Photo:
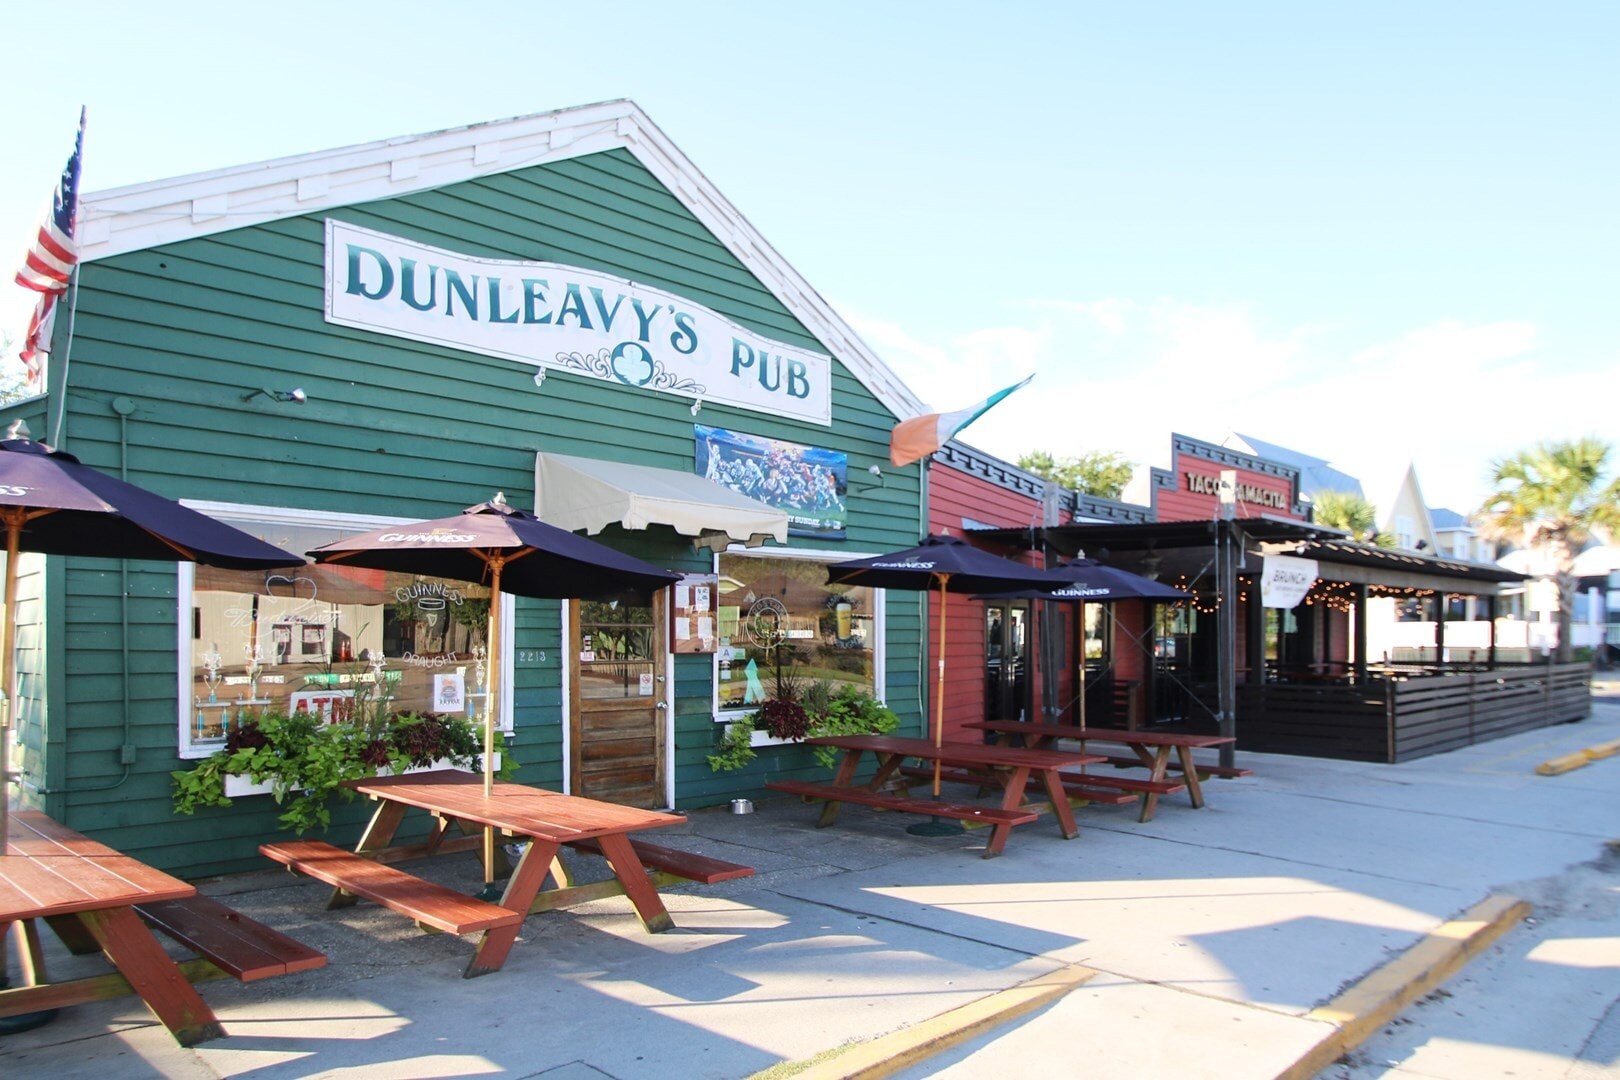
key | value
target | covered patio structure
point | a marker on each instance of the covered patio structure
(1301, 680)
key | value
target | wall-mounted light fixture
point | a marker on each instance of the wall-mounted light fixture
(295, 395)
(877, 473)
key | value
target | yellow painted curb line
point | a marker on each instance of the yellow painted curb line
(1580, 757)
(888, 1054)
(1377, 999)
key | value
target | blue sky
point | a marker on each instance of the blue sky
(1381, 233)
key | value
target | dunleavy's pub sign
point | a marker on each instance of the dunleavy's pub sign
(565, 318)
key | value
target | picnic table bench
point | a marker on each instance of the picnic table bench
(1072, 783)
(541, 821)
(1152, 750)
(98, 899)
(227, 941)
(1011, 768)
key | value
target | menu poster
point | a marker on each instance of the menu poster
(692, 614)
(449, 693)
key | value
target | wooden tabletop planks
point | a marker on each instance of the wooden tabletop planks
(51, 870)
(965, 753)
(515, 808)
(1131, 738)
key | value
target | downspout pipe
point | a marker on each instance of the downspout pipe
(123, 406)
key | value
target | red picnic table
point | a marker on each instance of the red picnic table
(1151, 748)
(1010, 767)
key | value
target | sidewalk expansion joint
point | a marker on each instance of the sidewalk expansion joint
(888, 1054)
(1375, 1000)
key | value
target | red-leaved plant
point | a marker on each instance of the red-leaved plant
(783, 719)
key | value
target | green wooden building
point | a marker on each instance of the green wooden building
(558, 307)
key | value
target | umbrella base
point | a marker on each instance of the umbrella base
(936, 827)
(492, 891)
(12, 1025)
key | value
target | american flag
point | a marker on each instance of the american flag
(48, 266)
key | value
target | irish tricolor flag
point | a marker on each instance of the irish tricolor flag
(914, 439)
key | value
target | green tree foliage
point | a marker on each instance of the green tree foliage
(13, 380)
(1552, 499)
(1103, 473)
(1350, 512)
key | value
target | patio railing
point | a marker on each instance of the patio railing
(1398, 715)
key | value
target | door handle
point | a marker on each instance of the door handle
(662, 705)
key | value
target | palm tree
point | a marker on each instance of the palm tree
(1552, 499)
(1350, 512)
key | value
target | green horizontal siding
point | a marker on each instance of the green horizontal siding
(392, 427)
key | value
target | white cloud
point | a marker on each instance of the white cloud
(1122, 374)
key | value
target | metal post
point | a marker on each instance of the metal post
(1226, 634)
(1361, 635)
(1050, 654)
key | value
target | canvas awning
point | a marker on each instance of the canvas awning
(576, 493)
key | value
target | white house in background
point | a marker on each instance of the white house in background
(1456, 536)
(1595, 620)
(1406, 629)
(1403, 516)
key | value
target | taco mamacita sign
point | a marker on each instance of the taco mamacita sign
(566, 318)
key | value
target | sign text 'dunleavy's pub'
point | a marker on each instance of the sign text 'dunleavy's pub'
(567, 318)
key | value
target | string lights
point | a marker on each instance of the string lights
(1335, 595)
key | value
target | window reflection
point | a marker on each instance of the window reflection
(780, 616)
(329, 639)
(617, 643)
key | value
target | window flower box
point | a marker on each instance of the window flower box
(239, 786)
(302, 760)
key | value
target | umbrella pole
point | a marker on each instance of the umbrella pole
(8, 685)
(491, 703)
(939, 680)
(8, 681)
(1082, 665)
(936, 826)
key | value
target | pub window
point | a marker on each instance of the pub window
(1098, 639)
(779, 622)
(325, 639)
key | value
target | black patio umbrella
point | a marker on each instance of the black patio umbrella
(509, 550)
(52, 504)
(950, 565)
(1084, 581)
(512, 551)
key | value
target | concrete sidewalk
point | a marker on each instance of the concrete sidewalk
(1214, 934)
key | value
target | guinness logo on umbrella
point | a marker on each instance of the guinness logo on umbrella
(437, 536)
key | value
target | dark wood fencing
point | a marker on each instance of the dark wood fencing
(1401, 718)
(1315, 719)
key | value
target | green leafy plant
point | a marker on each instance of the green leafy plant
(736, 747)
(823, 708)
(306, 759)
(848, 710)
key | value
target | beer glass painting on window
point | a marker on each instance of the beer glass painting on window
(782, 628)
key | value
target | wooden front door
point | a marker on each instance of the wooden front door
(618, 701)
